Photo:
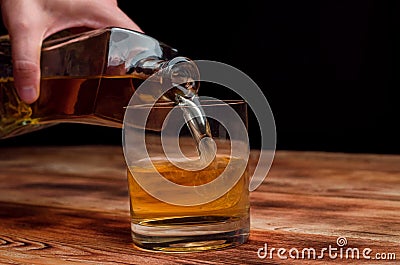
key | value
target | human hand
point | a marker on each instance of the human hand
(29, 22)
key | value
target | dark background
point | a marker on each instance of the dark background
(329, 69)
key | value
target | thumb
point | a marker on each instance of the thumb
(26, 48)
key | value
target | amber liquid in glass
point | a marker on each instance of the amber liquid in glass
(147, 211)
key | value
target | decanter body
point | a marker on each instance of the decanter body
(85, 78)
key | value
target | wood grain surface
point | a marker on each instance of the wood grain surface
(69, 205)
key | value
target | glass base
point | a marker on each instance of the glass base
(191, 234)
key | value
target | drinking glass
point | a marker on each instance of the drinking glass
(187, 194)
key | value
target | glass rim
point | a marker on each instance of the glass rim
(204, 103)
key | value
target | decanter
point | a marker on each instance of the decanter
(89, 78)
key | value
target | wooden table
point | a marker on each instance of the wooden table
(69, 205)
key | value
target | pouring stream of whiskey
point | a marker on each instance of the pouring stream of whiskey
(198, 125)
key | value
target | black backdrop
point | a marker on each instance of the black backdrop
(329, 69)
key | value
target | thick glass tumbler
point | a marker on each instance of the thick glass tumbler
(188, 192)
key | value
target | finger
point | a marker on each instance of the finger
(26, 45)
(21, 20)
